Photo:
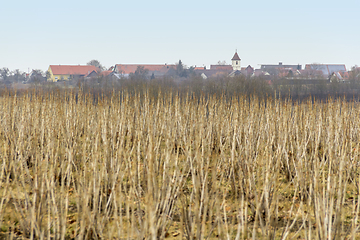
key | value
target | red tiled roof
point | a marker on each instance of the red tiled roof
(199, 68)
(105, 73)
(236, 57)
(221, 67)
(131, 68)
(72, 69)
(345, 75)
(212, 72)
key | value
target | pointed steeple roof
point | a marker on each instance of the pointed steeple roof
(236, 57)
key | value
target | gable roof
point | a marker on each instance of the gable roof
(211, 72)
(280, 66)
(236, 57)
(105, 73)
(131, 68)
(249, 68)
(235, 73)
(221, 67)
(73, 69)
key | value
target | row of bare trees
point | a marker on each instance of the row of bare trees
(8, 77)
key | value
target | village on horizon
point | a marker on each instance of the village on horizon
(67, 72)
(63, 73)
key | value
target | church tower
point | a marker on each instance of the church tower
(236, 62)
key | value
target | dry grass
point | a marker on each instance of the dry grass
(140, 167)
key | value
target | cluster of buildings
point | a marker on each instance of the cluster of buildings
(270, 71)
(68, 72)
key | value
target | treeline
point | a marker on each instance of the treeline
(196, 85)
(320, 89)
(8, 77)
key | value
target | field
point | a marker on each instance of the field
(177, 166)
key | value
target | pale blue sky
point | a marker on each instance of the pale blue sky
(35, 34)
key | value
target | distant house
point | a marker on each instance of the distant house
(311, 73)
(261, 74)
(199, 68)
(106, 73)
(327, 69)
(214, 71)
(339, 76)
(92, 74)
(206, 73)
(235, 73)
(153, 69)
(280, 70)
(222, 70)
(269, 67)
(248, 71)
(109, 74)
(69, 72)
(221, 67)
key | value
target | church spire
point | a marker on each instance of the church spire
(236, 62)
(236, 57)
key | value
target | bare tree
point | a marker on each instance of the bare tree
(140, 73)
(37, 76)
(4, 74)
(17, 76)
(317, 70)
(355, 73)
(97, 64)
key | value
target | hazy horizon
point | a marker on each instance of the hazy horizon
(41, 33)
